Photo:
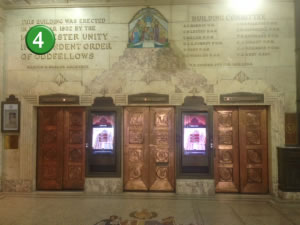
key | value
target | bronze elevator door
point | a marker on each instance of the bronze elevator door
(61, 148)
(149, 149)
(241, 142)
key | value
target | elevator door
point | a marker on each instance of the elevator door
(61, 148)
(149, 149)
(240, 139)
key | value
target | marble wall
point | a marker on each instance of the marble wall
(103, 185)
(209, 43)
(195, 187)
(213, 50)
(2, 84)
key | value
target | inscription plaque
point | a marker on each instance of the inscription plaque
(148, 98)
(241, 97)
(59, 99)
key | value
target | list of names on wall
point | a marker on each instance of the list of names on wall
(230, 40)
(76, 40)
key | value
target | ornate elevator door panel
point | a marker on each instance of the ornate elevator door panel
(226, 147)
(136, 155)
(253, 149)
(50, 149)
(149, 149)
(161, 148)
(74, 148)
(61, 148)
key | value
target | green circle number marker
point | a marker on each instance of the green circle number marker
(40, 39)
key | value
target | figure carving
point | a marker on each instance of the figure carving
(225, 174)
(254, 175)
(162, 172)
(225, 119)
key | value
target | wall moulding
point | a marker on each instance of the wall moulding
(83, 3)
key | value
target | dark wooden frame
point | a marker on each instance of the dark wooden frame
(118, 140)
(10, 100)
(180, 110)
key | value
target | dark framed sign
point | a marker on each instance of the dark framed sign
(10, 115)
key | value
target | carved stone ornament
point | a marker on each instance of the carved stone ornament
(241, 77)
(60, 79)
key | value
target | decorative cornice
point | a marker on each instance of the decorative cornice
(103, 3)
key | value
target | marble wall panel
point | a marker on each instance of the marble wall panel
(115, 15)
(17, 185)
(11, 164)
(289, 195)
(179, 13)
(103, 185)
(195, 186)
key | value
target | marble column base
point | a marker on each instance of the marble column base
(195, 186)
(103, 185)
(289, 195)
(17, 185)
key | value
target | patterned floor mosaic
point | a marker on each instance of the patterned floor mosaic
(143, 217)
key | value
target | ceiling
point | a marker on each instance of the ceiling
(18, 4)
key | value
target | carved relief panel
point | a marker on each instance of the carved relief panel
(161, 172)
(135, 148)
(149, 148)
(253, 140)
(61, 150)
(50, 149)
(226, 147)
(241, 160)
(74, 148)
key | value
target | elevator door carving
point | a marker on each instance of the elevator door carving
(149, 149)
(241, 161)
(61, 148)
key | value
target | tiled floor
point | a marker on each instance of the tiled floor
(71, 208)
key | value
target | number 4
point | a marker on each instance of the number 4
(38, 40)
